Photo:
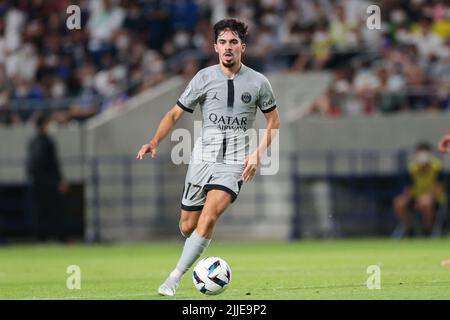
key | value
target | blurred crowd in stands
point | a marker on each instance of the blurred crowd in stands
(404, 67)
(126, 46)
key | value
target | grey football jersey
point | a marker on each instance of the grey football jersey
(228, 110)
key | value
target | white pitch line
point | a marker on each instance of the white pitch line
(254, 290)
(88, 297)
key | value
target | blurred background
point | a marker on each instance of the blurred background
(76, 105)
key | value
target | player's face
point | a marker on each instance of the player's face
(230, 48)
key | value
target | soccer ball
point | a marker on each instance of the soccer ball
(211, 275)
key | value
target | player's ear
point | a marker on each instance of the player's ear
(215, 47)
(243, 47)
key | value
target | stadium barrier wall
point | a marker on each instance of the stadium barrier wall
(336, 203)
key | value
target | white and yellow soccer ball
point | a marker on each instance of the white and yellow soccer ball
(211, 275)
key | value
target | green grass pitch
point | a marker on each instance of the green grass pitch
(322, 269)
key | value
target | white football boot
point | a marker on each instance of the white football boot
(169, 287)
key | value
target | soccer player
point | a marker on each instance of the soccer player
(228, 94)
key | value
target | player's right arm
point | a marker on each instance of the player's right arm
(188, 100)
(165, 126)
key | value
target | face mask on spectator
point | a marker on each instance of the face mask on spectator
(58, 90)
(21, 90)
(423, 157)
(156, 66)
(122, 41)
(398, 16)
(87, 82)
(181, 40)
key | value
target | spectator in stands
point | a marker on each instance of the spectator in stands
(424, 192)
(321, 46)
(46, 182)
(323, 105)
(343, 32)
(110, 83)
(320, 50)
(440, 75)
(7, 117)
(299, 35)
(88, 101)
(426, 41)
(417, 96)
(105, 20)
(365, 85)
(343, 93)
(388, 93)
(152, 69)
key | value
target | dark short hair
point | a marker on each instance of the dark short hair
(42, 119)
(423, 146)
(232, 25)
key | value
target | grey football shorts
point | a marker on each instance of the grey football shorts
(202, 177)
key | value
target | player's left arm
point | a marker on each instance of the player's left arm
(252, 161)
(444, 143)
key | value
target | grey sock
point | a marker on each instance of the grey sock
(193, 248)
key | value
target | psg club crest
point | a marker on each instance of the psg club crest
(246, 97)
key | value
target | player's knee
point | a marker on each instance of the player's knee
(429, 203)
(186, 228)
(425, 202)
(427, 208)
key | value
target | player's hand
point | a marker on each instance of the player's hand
(444, 143)
(250, 165)
(63, 186)
(147, 148)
